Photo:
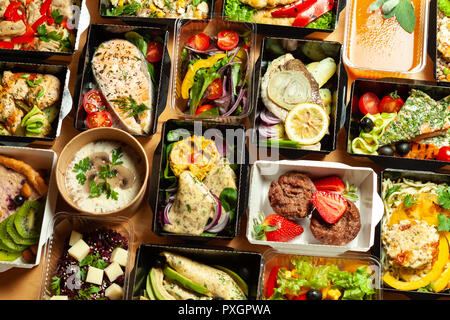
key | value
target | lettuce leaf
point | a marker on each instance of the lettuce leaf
(236, 10)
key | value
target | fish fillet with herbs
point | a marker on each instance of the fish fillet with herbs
(121, 72)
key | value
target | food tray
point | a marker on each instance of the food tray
(338, 82)
(38, 159)
(369, 204)
(98, 33)
(59, 230)
(377, 249)
(432, 40)
(64, 103)
(156, 190)
(247, 264)
(383, 87)
(294, 32)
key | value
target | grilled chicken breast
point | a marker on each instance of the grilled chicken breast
(121, 72)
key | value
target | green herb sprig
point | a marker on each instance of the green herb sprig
(81, 168)
(403, 10)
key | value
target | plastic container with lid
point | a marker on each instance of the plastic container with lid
(375, 47)
(61, 228)
(184, 29)
(347, 262)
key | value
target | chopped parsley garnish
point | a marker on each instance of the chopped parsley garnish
(443, 222)
(81, 168)
(130, 105)
(116, 155)
(57, 16)
(444, 197)
(391, 191)
(102, 187)
(86, 294)
(408, 201)
(46, 36)
(105, 172)
(55, 285)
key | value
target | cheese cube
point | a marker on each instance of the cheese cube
(79, 250)
(74, 237)
(120, 256)
(59, 298)
(113, 271)
(114, 292)
(94, 275)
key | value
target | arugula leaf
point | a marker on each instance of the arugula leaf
(408, 201)
(391, 191)
(443, 222)
(444, 197)
(128, 9)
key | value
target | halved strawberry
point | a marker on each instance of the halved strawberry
(276, 228)
(331, 183)
(331, 206)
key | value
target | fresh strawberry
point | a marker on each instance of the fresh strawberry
(331, 183)
(276, 228)
(331, 206)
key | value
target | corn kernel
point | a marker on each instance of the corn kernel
(120, 3)
(153, 8)
(160, 14)
(333, 294)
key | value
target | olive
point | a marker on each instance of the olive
(403, 148)
(313, 294)
(218, 298)
(19, 200)
(159, 262)
(366, 124)
(386, 151)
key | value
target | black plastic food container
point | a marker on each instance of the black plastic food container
(157, 195)
(64, 103)
(248, 265)
(394, 174)
(294, 32)
(382, 87)
(99, 33)
(337, 83)
(104, 5)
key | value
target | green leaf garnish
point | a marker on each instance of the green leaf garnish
(391, 191)
(443, 222)
(408, 201)
(116, 155)
(444, 197)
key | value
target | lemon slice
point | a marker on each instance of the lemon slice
(306, 123)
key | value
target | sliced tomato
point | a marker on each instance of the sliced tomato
(227, 40)
(93, 101)
(444, 154)
(99, 119)
(154, 51)
(215, 89)
(203, 108)
(369, 103)
(199, 42)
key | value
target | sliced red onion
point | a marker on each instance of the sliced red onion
(221, 224)
(217, 214)
(166, 219)
(266, 131)
(268, 118)
(236, 104)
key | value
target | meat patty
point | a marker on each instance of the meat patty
(339, 233)
(290, 195)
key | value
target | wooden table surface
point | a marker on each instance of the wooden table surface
(24, 284)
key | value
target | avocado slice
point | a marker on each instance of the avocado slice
(237, 278)
(156, 281)
(148, 288)
(185, 282)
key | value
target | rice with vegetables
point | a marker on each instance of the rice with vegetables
(443, 41)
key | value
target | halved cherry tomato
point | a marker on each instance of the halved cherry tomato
(203, 108)
(154, 51)
(93, 101)
(99, 119)
(215, 89)
(369, 103)
(227, 40)
(199, 42)
(391, 103)
(444, 154)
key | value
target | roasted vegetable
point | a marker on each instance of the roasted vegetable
(422, 151)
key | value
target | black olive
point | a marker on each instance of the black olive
(402, 148)
(218, 298)
(19, 200)
(386, 151)
(159, 262)
(313, 294)
(366, 124)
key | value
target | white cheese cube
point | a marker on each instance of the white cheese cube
(74, 237)
(113, 271)
(59, 298)
(114, 292)
(79, 250)
(120, 256)
(94, 275)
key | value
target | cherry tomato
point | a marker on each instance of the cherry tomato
(199, 42)
(203, 108)
(215, 89)
(369, 103)
(299, 297)
(154, 51)
(99, 119)
(227, 40)
(391, 103)
(444, 154)
(93, 101)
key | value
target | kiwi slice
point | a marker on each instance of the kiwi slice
(9, 256)
(27, 219)
(7, 240)
(11, 229)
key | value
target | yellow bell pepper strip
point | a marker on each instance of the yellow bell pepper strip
(441, 283)
(424, 281)
(188, 80)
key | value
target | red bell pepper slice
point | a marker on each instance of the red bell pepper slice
(11, 12)
(299, 297)
(272, 281)
(6, 45)
(312, 13)
(45, 8)
(28, 37)
(38, 22)
(293, 9)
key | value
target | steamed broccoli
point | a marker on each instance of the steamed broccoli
(444, 6)
(326, 21)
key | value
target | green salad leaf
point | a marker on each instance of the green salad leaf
(356, 286)
(326, 21)
(236, 10)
